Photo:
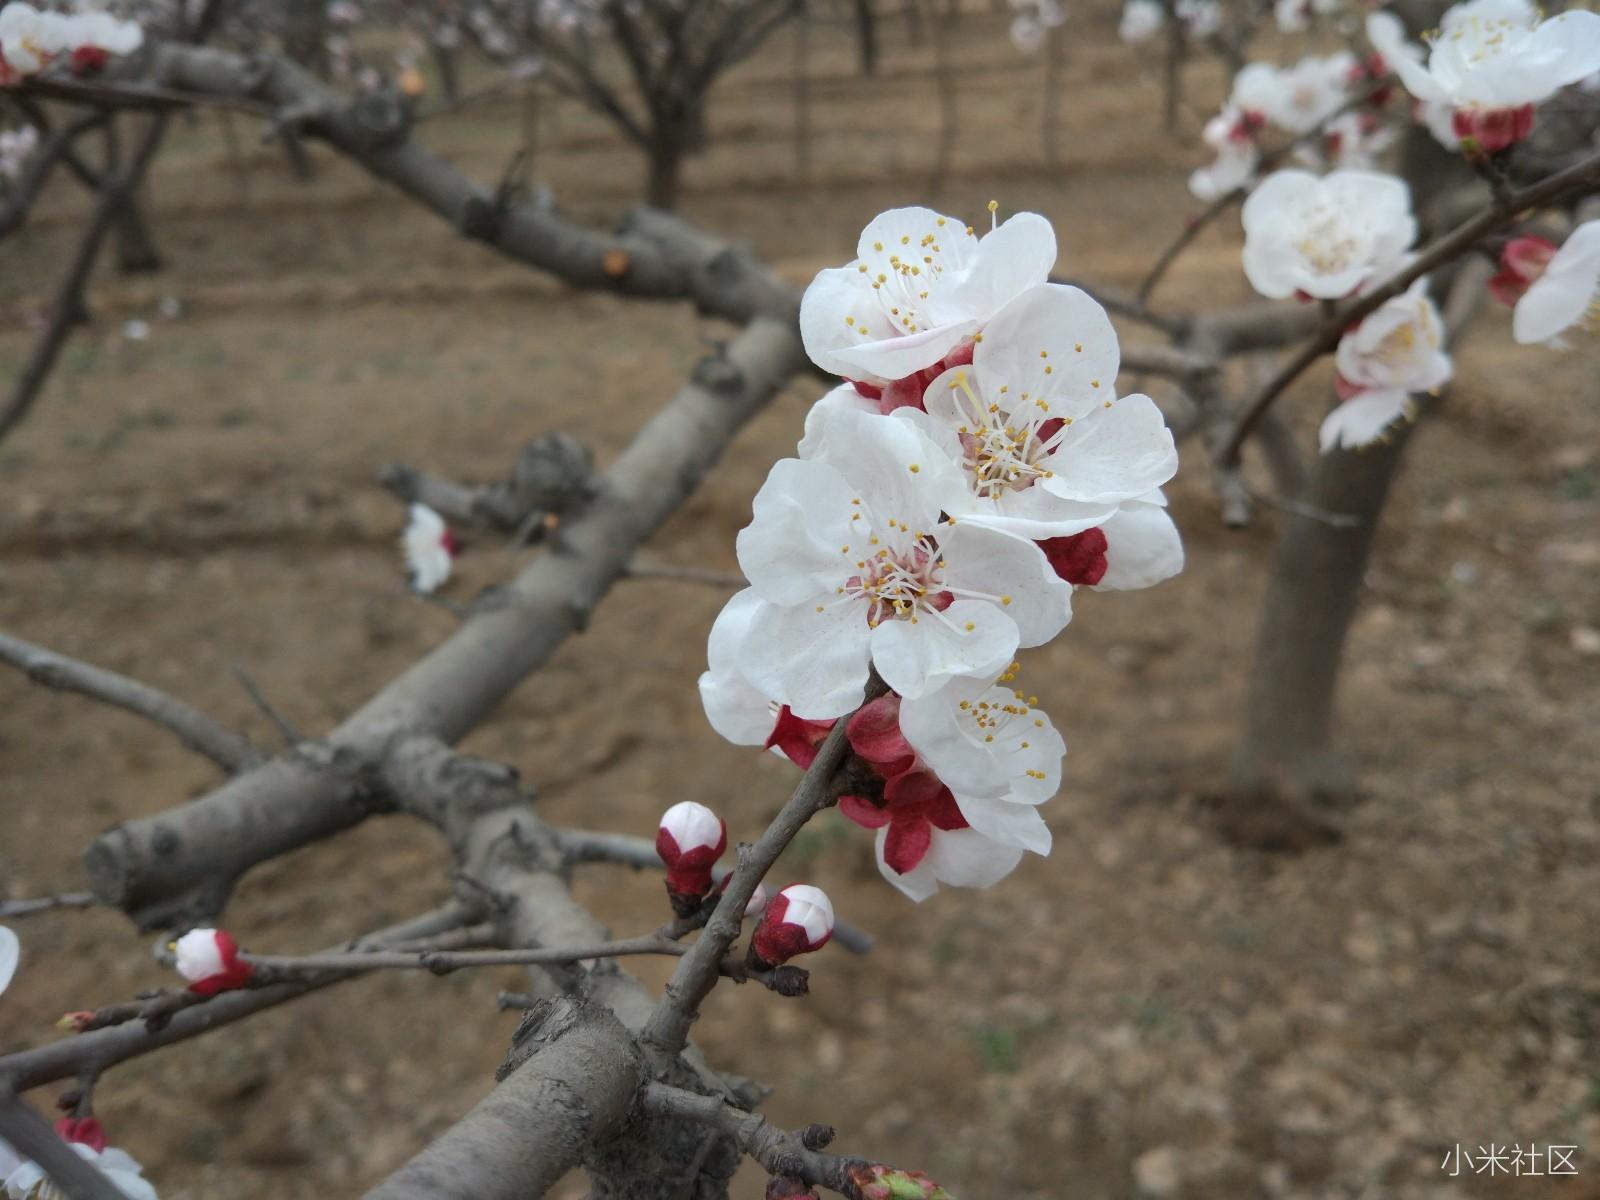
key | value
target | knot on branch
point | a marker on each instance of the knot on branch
(717, 373)
(552, 479)
(379, 119)
(481, 219)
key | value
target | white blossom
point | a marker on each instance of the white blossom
(1298, 98)
(1397, 350)
(858, 564)
(29, 1182)
(429, 549)
(986, 740)
(10, 952)
(1566, 293)
(1141, 20)
(1492, 54)
(200, 955)
(15, 147)
(1324, 237)
(1043, 445)
(921, 284)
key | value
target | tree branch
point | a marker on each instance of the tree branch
(31, 1135)
(192, 727)
(668, 1028)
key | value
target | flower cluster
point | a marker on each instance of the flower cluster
(24, 1180)
(1143, 19)
(1313, 96)
(1034, 19)
(16, 145)
(31, 40)
(942, 506)
(1488, 66)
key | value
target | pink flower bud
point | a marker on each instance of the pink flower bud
(1522, 262)
(797, 920)
(209, 960)
(84, 1130)
(1486, 131)
(689, 840)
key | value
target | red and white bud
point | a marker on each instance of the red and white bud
(209, 960)
(689, 840)
(1523, 262)
(798, 920)
(86, 1131)
(1485, 131)
(758, 898)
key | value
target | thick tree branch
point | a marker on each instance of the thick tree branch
(782, 1153)
(184, 861)
(193, 728)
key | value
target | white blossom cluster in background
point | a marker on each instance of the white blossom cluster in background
(16, 146)
(1033, 20)
(1142, 19)
(31, 39)
(1487, 68)
(976, 466)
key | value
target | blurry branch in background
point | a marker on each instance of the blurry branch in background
(194, 729)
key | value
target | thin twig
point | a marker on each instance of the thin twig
(442, 962)
(626, 850)
(291, 736)
(193, 728)
(647, 568)
(10, 910)
(1460, 239)
(667, 1031)
(68, 305)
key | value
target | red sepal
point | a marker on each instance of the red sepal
(85, 1131)
(1079, 558)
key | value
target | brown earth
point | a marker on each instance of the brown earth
(1149, 1012)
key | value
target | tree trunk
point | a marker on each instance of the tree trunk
(136, 248)
(664, 173)
(867, 36)
(1285, 771)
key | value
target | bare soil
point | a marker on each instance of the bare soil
(1149, 1012)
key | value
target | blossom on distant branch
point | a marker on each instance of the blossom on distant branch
(1394, 352)
(31, 39)
(429, 548)
(1553, 289)
(1491, 63)
(1324, 237)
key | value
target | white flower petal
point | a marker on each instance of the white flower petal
(1142, 548)
(1362, 419)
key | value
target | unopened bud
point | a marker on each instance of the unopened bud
(877, 1182)
(797, 920)
(77, 1022)
(86, 1131)
(209, 960)
(758, 898)
(689, 840)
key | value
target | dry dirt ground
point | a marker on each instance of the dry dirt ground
(1149, 1012)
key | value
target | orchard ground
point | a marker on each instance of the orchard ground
(1149, 1012)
